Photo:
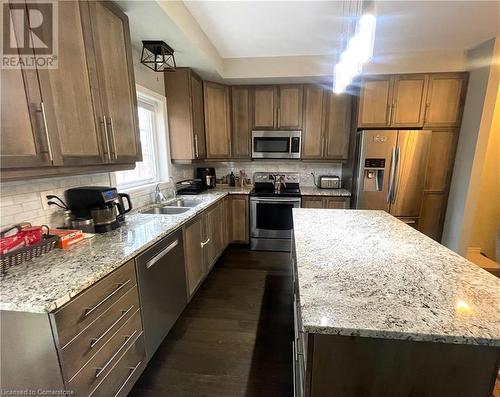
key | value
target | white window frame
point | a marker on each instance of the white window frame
(160, 140)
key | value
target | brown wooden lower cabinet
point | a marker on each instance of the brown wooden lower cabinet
(207, 236)
(193, 253)
(239, 218)
(350, 366)
(432, 214)
(326, 202)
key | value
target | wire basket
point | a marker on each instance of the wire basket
(25, 254)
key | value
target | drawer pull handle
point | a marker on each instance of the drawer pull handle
(100, 370)
(132, 371)
(157, 257)
(95, 341)
(90, 310)
(205, 243)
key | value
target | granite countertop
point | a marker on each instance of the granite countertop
(234, 189)
(46, 283)
(365, 273)
(315, 191)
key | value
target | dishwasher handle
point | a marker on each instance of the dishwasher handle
(161, 254)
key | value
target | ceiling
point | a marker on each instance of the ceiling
(288, 28)
(258, 41)
(270, 28)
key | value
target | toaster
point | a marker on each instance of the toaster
(329, 182)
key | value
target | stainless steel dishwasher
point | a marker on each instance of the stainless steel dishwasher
(162, 288)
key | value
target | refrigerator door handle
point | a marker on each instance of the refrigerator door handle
(391, 174)
(396, 175)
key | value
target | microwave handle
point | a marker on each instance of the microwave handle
(290, 143)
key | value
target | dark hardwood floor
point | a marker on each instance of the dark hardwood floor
(234, 338)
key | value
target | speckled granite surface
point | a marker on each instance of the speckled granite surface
(314, 191)
(234, 189)
(365, 273)
(50, 281)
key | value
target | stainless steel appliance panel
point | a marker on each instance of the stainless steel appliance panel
(271, 222)
(391, 171)
(276, 144)
(412, 154)
(376, 160)
(272, 217)
(162, 288)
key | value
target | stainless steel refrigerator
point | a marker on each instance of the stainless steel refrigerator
(390, 171)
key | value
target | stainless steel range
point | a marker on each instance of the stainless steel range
(271, 202)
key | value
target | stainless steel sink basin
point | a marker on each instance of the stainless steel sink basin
(182, 202)
(166, 210)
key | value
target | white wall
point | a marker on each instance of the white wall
(486, 221)
(474, 133)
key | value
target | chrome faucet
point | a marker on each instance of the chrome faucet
(159, 196)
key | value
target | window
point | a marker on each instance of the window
(152, 130)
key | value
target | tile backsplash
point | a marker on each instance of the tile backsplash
(303, 168)
(25, 201)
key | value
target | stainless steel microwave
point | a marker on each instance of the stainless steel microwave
(276, 144)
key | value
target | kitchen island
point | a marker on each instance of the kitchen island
(382, 310)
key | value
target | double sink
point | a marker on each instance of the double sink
(173, 207)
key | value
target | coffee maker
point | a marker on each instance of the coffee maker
(103, 204)
(207, 176)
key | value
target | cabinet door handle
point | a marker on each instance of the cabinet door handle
(106, 137)
(196, 153)
(90, 310)
(205, 243)
(388, 113)
(427, 106)
(392, 172)
(100, 370)
(112, 130)
(46, 130)
(160, 255)
(95, 341)
(132, 371)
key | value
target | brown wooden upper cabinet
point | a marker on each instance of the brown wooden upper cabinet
(217, 105)
(241, 123)
(313, 137)
(412, 100)
(24, 137)
(445, 99)
(264, 107)
(111, 35)
(327, 124)
(375, 102)
(186, 125)
(277, 107)
(392, 101)
(337, 126)
(82, 113)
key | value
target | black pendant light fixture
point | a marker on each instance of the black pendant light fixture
(157, 55)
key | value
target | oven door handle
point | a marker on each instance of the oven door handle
(277, 200)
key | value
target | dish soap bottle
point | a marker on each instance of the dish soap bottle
(232, 179)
